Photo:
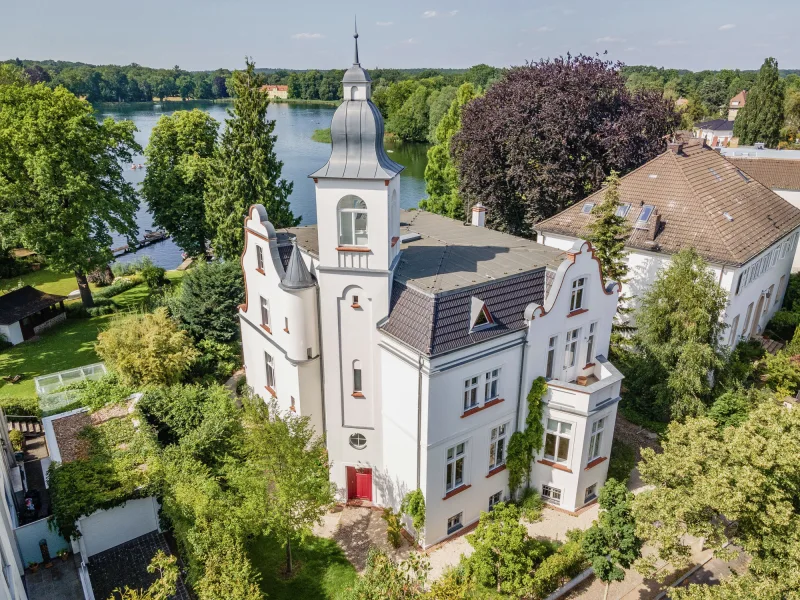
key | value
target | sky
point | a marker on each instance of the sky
(302, 34)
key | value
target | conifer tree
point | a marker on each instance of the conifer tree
(245, 169)
(761, 118)
(441, 174)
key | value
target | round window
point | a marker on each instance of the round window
(358, 441)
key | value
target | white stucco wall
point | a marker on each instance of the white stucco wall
(793, 196)
(105, 529)
(12, 333)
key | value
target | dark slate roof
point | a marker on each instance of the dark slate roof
(692, 192)
(297, 275)
(24, 302)
(716, 125)
(436, 324)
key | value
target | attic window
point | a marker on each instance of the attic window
(587, 208)
(744, 177)
(716, 175)
(622, 209)
(480, 316)
(728, 216)
(644, 216)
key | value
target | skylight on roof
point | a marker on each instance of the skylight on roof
(728, 216)
(653, 176)
(587, 208)
(644, 216)
(716, 175)
(409, 237)
(622, 209)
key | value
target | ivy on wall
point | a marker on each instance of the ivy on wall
(524, 444)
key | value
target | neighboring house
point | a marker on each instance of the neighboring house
(276, 91)
(27, 311)
(781, 175)
(717, 133)
(736, 104)
(411, 340)
(692, 196)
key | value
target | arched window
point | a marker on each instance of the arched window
(354, 93)
(352, 221)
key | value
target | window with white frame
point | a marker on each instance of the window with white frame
(454, 523)
(596, 441)
(734, 330)
(492, 385)
(259, 257)
(470, 393)
(551, 357)
(495, 498)
(747, 316)
(455, 466)
(356, 376)
(497, 446)
(590, 343)
(264, 312)
(556, 441)
(352, 221)
(576, 300)
(590, 493)
(270, 365)
(551, 494)
(571, 348)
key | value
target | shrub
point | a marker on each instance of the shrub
(121, 284)
(4, 343)
(782, 373)
(101, 277)
(783, 324)
(207, 305)
(96, 393)
(216, 361)
(154, 277)
(9, 265)
(557, 569)
(622, 461)
(734, 406)
(531, 504)
(393, 527)
(17, 439)
(413, 505)
(147, 349)
(20, 406)
(131, 268)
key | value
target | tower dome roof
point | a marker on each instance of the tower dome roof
(357, 150)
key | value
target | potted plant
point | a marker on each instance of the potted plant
(64, 554)
(33, 566)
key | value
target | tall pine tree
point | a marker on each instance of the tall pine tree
(245, 169)
(761, 118)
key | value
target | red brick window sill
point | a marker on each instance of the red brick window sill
(550, 463)
(478, 409)
(272, 392)
(496, 470)
(260, 271)
(575, 313)
(286, 330)
(356, 305)
(266, 328)
(595, 462)
(455, 491)
(358, 395)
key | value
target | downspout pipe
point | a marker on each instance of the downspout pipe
(419, 421)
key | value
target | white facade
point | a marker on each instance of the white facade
(760, 294)
(793, 197)
(396, 418)
(12, 333)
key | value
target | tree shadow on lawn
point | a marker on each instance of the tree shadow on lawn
(324, 572)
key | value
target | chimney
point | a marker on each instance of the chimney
(479, 215)
(676, 147)
(653, 226)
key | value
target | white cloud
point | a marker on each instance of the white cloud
(409, 41)
(609, 39)
(384, 23)
(544, 29)
(307, 36)
(670, 42)
(453, 13)
(727, 26)
(429, 14)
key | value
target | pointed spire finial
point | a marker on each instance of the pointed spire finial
(355, 36)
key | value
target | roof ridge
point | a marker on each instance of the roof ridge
(704, 204)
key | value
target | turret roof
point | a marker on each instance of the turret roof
(297, 275)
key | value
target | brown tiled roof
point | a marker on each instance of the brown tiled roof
(741, 98)
(775, 173)
(692, 191)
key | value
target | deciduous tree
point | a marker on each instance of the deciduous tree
(245, 169)
(178, 163)
(62, 192)
(761, 118)
(548, 134)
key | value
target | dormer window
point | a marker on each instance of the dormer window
(480, 316)
(352, 221)
(576, 300)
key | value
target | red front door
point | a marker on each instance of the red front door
(359, 484)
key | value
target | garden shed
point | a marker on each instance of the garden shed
(27, 311)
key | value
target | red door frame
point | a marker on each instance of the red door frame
(359, 483)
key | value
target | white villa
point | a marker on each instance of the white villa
(411, 340)
(692, 196)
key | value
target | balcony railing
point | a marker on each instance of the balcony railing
(595, 385)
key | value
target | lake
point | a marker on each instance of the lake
(294, 124)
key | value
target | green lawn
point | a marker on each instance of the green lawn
(66, 346)
(45, 280)
(323, 574)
